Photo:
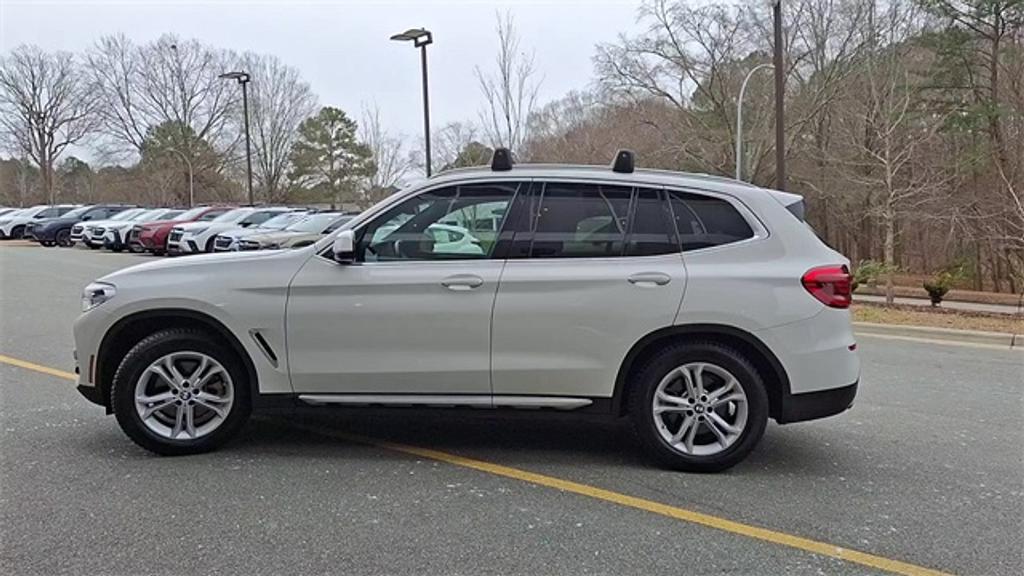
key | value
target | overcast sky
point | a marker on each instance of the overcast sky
(341, 46)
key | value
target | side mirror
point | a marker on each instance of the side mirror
(344, 247)
(86, 217)
(245, 224)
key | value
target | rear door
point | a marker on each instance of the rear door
(593, 269)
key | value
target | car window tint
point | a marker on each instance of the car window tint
(456, 223)
(211, 215)
(650, 232)
(580, 221)
(704, 221)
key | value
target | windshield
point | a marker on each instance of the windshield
(168, 215)
(128, 214)
(314, 223)
(76, 212)
(192, 214)
(282, 221)
(233, 215)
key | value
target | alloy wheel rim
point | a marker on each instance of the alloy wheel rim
(184, 396)
(700, 409)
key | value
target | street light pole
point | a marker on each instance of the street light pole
(191, 176)
(426, 107)
(421, 38)
(780, 89)
(243, 79)
(739, 120)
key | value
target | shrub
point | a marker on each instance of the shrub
(869, 272)
(942, 281)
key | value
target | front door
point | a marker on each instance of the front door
(412, 315)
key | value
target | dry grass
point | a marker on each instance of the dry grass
(915, 316)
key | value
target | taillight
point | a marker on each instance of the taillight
(829, 284)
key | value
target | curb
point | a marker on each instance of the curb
(1002, 339)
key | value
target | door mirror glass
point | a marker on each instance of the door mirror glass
(344, 247)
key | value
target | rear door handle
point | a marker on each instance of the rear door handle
(649, 279)
(462, 282)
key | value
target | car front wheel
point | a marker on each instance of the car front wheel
(698, 407)
(179, 391)
(63, 238)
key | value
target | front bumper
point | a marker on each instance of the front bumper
(814, 405)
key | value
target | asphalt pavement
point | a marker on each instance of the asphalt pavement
(927, 469)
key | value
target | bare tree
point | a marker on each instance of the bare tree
(168, 81)
(45, 107)
(393, 158)
(510, 91)
(451, 139)
(279, 100)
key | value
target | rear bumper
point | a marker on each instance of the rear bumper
(814, 405)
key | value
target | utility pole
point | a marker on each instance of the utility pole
(780, 92)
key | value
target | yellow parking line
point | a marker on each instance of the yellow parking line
(37, 368)
(718, 523)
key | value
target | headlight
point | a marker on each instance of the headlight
(97, 293)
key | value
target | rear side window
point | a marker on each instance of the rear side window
(704, 221)
(650, 233)
(580, 221)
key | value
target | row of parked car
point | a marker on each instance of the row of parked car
(173, 231)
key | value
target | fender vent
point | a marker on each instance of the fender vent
(264, 346)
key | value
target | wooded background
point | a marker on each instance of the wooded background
(904, 122)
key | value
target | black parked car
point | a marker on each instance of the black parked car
(57, 231)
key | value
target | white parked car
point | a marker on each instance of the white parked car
(84, 231)
(12, 225)
(229, 241)
(195, 237)
(114, 235)
(697, 306)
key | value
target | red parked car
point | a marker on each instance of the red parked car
(153, 235)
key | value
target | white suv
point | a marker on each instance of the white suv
(700, 307)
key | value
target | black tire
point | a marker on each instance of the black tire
(209, 244)
(644, 384)
(46, 243)
(117, 249)
(91, 247)
(63, 238)
(152, 348)
(17, 232)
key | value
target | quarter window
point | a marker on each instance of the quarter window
(580, 221)
(704, 221)
(457, 223)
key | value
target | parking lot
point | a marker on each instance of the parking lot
(926, 472)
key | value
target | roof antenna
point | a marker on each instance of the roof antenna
(501, 160)
(623, 162)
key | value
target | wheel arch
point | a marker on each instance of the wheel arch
(768, 365)
(128, 331)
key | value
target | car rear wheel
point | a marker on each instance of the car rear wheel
(698, 407)
(179, 391)
(17, 232)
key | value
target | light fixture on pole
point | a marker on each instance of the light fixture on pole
(739, 120)
(421, 38)
(243, 79)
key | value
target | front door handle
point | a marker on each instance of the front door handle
(462, 282)
(649, 279)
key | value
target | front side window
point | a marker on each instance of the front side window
(704, 221)
(456, 223)
(580, 221)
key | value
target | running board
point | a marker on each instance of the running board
(446, 401)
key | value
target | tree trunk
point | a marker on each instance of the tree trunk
(889, 253)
